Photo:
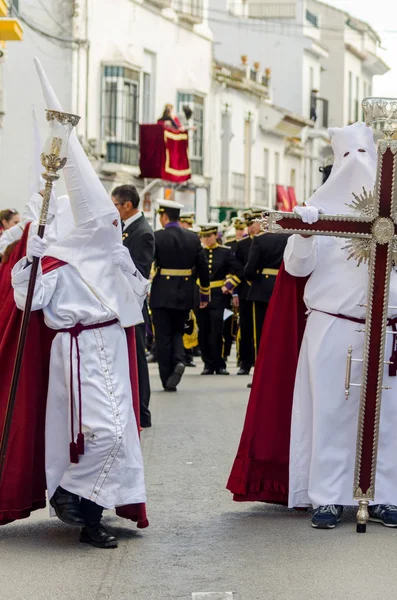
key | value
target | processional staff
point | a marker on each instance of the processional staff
(373, 239)
(53, 158)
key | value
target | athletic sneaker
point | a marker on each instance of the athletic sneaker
(326, 517)
(383, 513)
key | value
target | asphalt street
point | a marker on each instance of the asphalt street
(200, 545)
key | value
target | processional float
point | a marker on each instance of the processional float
(53, 158)
(373, 240)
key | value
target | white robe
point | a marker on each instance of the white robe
(110, 472)
(324, 424)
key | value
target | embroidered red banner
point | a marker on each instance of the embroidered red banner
(164, 153)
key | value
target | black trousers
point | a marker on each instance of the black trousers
(246, 352)
(143, 375)
(169, 327)
(210, 323)
(228, 338)
(259, 313)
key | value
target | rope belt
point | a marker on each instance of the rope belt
(391, 322)
(77, 448)
(176, 272)
(270, 272)
(217, 284)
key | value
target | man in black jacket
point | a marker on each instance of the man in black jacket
(264, 260)
(225, 276)
(138, 237)
(179, 259)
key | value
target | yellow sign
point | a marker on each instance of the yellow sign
(10, 30)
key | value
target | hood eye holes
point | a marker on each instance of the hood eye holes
(346, 154)
(361, 150)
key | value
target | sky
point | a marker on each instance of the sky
(382, 16)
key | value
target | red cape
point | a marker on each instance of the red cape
(261, 469)
(23, 486)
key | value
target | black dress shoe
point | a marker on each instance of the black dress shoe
(243, 371)
(67, 507)
(207, 371)
(222, 372)
(176, 376)
(170, 389)
(191, 363)
(97, 536)
(145, 424)
(249, 385)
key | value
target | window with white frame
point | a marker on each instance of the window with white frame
(238, 189)
(260, 191)
(120, 114)
(196, 137)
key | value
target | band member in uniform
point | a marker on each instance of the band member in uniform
(246, 346)
(264, 260)
(225, 276)
(240, 226)
(187, 219)
(179, 258)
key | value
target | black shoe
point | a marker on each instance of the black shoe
(207, 371)
(67, 507)
(170, 389)
(249, 385)
(144, 425)
(222, 372)
(176, 376)
(243, 371)
(97, 536)
(191, 363)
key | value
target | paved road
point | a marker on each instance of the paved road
(199, 540)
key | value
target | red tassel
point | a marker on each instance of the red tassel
(74, 455)
(80, 444)
(143, 524)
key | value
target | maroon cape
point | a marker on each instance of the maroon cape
(23, 485)
(261, 469)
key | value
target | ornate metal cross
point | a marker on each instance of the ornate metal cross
(373, 237)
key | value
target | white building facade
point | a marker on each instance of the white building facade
(115, 64)
(254, 142)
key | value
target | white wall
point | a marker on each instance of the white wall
(22, 89)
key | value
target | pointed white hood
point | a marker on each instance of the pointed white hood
(97, 231)
(354, 168)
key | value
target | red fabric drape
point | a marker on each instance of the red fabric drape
(261, 469)
(292, 198)
(283, 201)
(164, 153)
(23, 485)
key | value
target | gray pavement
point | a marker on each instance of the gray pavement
(199, 541)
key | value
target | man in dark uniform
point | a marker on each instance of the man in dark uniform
(138, 237)
(246, 346)
(225, 276)
(265, 258)
(178, 255)
(231, 325)
(186, 219)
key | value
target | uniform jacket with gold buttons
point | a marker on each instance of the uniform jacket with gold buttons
(242, 253)
(224, 269)
(179, 261)
(264, 260)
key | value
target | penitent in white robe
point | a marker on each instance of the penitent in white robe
(324, 423)
(110, 472)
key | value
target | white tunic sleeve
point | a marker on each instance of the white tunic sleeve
(300, 256)
(11, 235)
(44, 288)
